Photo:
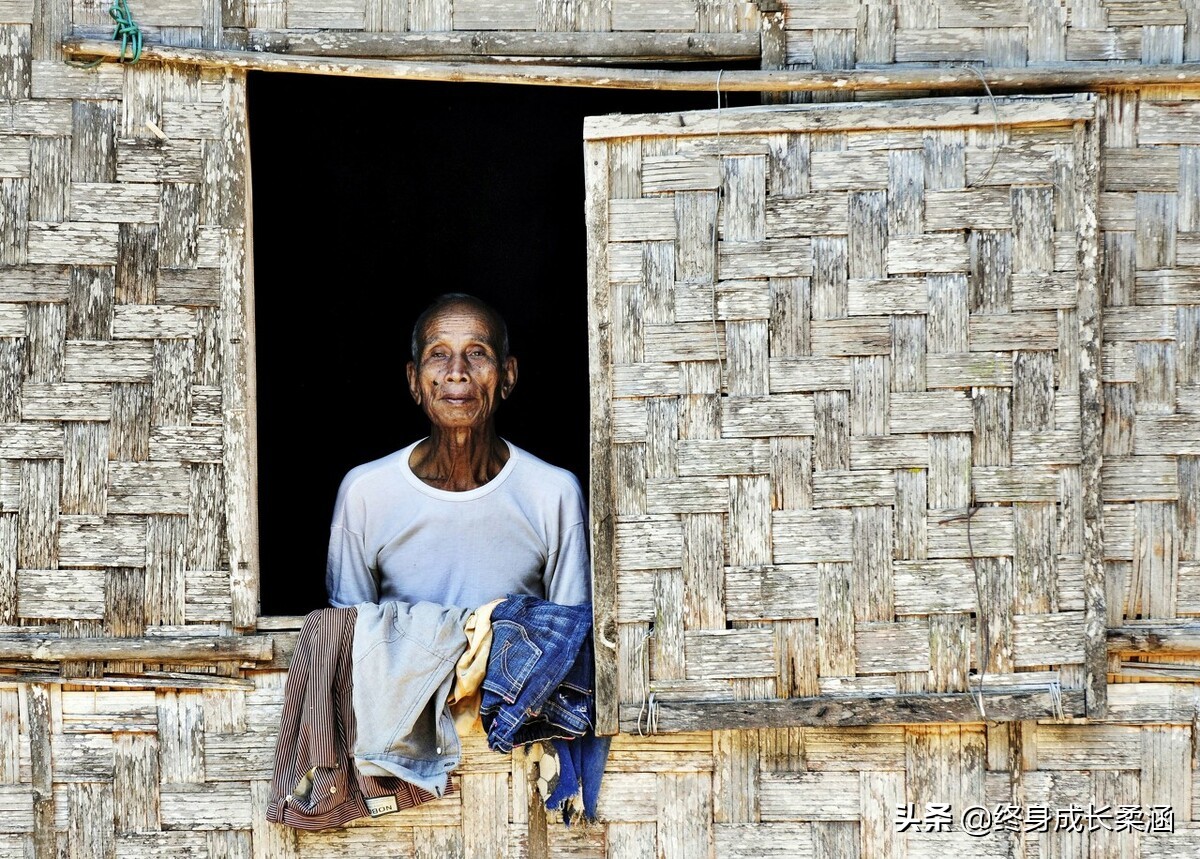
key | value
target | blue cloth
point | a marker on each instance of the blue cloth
(581, 767)
(538, 684)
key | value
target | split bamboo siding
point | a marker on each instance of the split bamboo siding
(821, 344)
(833, 333)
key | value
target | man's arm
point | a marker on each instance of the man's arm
(568, 576)
(349, 577)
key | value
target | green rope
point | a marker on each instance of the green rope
(127, 30)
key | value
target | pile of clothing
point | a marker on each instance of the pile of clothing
(378, 695)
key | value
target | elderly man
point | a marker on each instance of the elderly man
(462, 516)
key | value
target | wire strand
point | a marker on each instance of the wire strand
(715, 248)
(986, 655)
(995, 128)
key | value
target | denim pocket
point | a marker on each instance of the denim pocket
(511, 661)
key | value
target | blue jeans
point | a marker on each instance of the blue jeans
(539, 674)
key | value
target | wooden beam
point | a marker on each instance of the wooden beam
(144, 680)
(475, 45)
(918, 114)
(1081, 76)
(224, 648)
(1165, 672)
(1155, 638)
(1089, 324)
(843, 711)
(41, 769)
(602, 488)
(236, 351)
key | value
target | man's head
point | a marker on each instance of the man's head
(496, 323)
(461, 369)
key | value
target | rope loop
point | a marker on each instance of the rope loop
(127, 31)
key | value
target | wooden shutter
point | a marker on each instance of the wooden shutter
(821, 336)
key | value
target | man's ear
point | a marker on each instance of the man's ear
(510, 376)
(413, 387)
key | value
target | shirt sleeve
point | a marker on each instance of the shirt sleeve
(349, 578)
(568, 576)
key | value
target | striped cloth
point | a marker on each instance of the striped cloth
(315, 785)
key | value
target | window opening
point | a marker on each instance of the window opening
(370, 199)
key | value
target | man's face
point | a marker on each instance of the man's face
(460, 379)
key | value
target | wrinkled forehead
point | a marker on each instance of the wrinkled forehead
(460, 321)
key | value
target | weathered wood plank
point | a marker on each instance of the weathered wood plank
(627, 47)
(809, 374)
(557, 46)
(828, 710)
(156, 649)
(602, 494)
(41, 765)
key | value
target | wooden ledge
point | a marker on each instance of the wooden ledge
(845, 710)
(224, 648)
(960, 79)
(513, 46)
(1155, 638)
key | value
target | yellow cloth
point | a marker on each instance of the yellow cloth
(470, 670)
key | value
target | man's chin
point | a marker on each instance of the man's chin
(458, 419)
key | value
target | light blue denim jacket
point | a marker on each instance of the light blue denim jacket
(404, 658)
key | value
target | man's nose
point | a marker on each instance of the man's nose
(458, 366)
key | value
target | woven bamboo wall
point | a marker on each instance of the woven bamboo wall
(124, 485)
(833, 332)
(799, 34)
(819, 34)
(142, 774)
(1005, 33)
(123, 462)
(209, 23)
(1151, 368)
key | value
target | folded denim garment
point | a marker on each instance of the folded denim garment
(539, 686)
(539, 676)
(404, 660)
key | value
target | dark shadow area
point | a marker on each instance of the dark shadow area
(370, 199)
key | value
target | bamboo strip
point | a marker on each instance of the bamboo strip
(1155, 638)
(182, 649)
(845, 710)
(487, 44)
(930, 79)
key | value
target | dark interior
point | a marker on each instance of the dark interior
(370, 199)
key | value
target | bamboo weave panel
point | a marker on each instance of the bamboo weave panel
(151, 773)
(124, 487)
(1005, 33)
(1151, 368)
(826, 348)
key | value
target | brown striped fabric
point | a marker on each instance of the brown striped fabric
(316, 785)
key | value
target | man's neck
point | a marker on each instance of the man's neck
(458, 460)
